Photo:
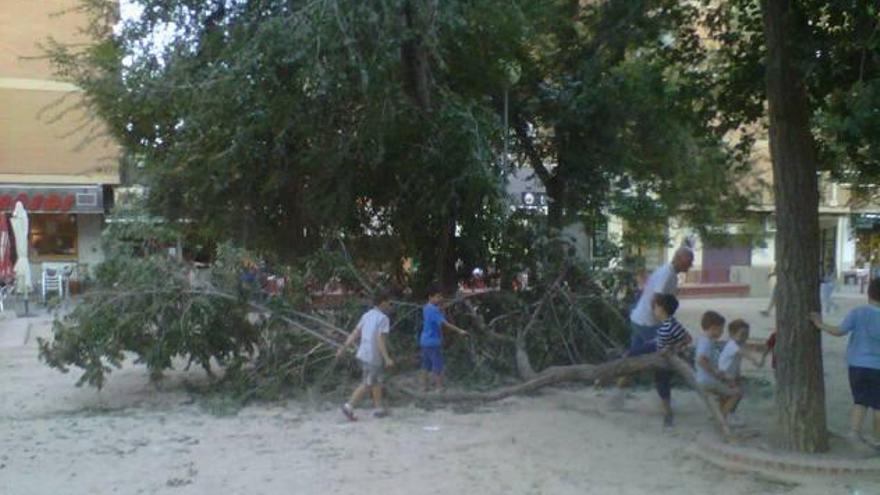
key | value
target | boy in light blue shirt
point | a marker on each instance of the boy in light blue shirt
(708, 376)
(862, 324)
(431, 338)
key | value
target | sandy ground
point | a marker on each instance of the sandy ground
(131, 438)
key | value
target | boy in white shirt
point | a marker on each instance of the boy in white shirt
(372, 354)
(706, 361)
(730, 361)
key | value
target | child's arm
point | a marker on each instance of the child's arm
(350, 340)
(752, 358)
(703, 362)
(679, 345)
(685, 342)
(383, 348)
(453, 327)
(829, 329)
(768, 348)
(764, 354)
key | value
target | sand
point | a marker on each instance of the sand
(131, 438)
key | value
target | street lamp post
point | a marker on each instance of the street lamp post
(512, 72)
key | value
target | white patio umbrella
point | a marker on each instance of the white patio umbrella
(22, 265)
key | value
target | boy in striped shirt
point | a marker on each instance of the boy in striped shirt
(671, 337)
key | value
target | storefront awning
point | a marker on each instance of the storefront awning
(53, 199)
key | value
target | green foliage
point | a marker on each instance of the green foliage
(283, 125)
(838, 50)
(145, 309)
(616, 95)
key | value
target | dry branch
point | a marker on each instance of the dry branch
(578, 373)
(523, 364)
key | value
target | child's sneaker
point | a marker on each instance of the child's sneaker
(348, 412)
(381, 413)
(668, 421)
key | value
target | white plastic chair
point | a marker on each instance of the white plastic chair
(5, 291)
(52, 282)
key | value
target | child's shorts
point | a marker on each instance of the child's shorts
(719, 389)
(432, 360)
(865, 386)
(374, 374)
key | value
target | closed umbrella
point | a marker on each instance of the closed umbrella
(22, 265)
(6, 272)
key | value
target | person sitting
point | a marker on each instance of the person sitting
(709, 377)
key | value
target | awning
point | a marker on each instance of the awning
(53, 199)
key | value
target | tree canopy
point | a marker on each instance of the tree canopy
(282, 124)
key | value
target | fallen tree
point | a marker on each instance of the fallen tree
(156, 310)
(579, 373)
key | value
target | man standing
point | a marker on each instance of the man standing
(664, 280)
(643, 324)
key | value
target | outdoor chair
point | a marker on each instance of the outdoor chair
(5, 291)
(52, 281)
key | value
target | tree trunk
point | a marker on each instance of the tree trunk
(555, 200)
(800, 390)
(447, 256)
(581, 373)
(414, 57)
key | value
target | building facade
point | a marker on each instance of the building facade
(54, 156)
(849, 240)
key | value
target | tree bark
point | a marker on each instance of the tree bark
(447, 255)
(414, 57)
(552, 181)
(800, 390)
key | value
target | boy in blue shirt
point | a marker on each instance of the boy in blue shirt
(863, 357)
(431, 338)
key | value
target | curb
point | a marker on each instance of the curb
(783, 465)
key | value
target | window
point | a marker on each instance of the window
(53, 236)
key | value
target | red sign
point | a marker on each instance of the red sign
(38, 202)
(53, 202)
(67, 203)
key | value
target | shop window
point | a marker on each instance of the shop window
(53, 236)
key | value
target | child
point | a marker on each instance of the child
(709, 377)
(863, 357)
(431, 339)
(730, 360)
(372, 354)
(671, 337)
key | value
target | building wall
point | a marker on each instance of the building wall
(24, 24)
(89, 241)
(765, 255)
(846, 245)
(43, 138)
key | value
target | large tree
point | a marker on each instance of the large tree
(815, 64)
(282, 124)
(614, 113)
(800, 394)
